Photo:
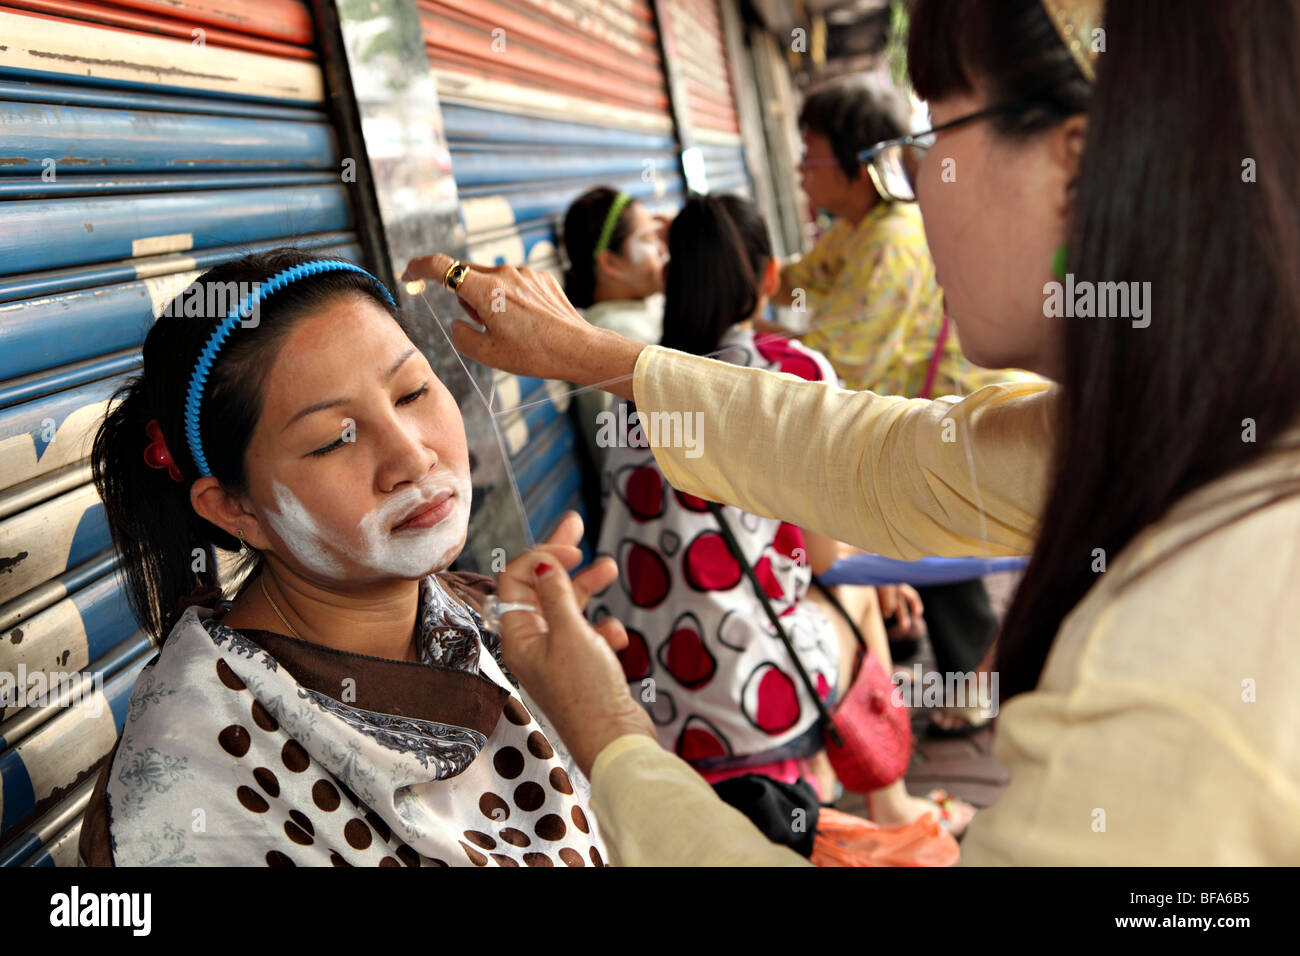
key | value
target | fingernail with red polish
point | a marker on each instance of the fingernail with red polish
(542, 570)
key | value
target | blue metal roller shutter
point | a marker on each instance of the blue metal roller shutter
(130, 163)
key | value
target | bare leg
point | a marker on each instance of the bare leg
(819, 766)
(861, 604)
(954, 719)
(890, 805)
(862, 607)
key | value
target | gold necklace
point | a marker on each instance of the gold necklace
(275, 607)
(261, 578)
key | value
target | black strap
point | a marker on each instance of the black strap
(835, 603)
(734, 547)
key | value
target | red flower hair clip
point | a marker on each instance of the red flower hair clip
(156, 454)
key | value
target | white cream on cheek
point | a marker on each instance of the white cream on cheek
(298, 529)
(642, 249)
(407, 554)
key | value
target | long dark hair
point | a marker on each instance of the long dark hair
(718, 247)
(165, 546)
(1148, 415)
(582, 225)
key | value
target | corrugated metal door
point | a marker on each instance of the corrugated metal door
(541, 100)
(142, 143)
(696, 50)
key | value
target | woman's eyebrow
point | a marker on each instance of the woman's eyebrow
(392, 369)
(334, 402)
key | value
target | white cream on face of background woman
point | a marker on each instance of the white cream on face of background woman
(645, 250)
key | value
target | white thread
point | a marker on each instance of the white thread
(496, 428)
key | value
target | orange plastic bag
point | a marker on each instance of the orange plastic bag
(845, 840)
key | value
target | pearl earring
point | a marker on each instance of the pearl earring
(243, 548)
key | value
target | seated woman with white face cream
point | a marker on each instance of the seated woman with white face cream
(349, 707)
(616, 250)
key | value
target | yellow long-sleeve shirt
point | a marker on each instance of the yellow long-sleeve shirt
(1162, 730)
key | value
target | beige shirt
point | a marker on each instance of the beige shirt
(1164, 728)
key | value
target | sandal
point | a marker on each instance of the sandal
(954, 815)
(973, 718)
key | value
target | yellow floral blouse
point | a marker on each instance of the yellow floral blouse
(875, 310)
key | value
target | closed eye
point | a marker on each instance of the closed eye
(328, 448)
(406, 399)
(413, 396)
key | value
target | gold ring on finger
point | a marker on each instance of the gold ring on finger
(455, 275)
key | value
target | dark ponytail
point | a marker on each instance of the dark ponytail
(153, 526)
(165, 546)
(582, 225)
(718, 247)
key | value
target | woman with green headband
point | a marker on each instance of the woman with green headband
(1148, 662)
(348, 705)
(616, 251)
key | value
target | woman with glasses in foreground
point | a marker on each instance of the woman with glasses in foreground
(1146, 662)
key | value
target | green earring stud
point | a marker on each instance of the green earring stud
(1058, 262)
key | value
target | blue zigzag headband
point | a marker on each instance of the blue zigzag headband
(208, 355)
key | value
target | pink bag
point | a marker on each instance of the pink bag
(869, 732)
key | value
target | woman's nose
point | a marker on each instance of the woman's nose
(405, 456)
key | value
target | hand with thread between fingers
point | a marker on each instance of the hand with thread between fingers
(522, 323)
(568, 667)
(593, 579)
(563, 548)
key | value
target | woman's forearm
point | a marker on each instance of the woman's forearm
(608, 361)
(904, 478)
(820, 551)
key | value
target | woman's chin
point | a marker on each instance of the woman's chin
(976, 351)
(441, 566)
(449, 557)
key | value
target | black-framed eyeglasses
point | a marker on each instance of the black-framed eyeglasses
(895, 163)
